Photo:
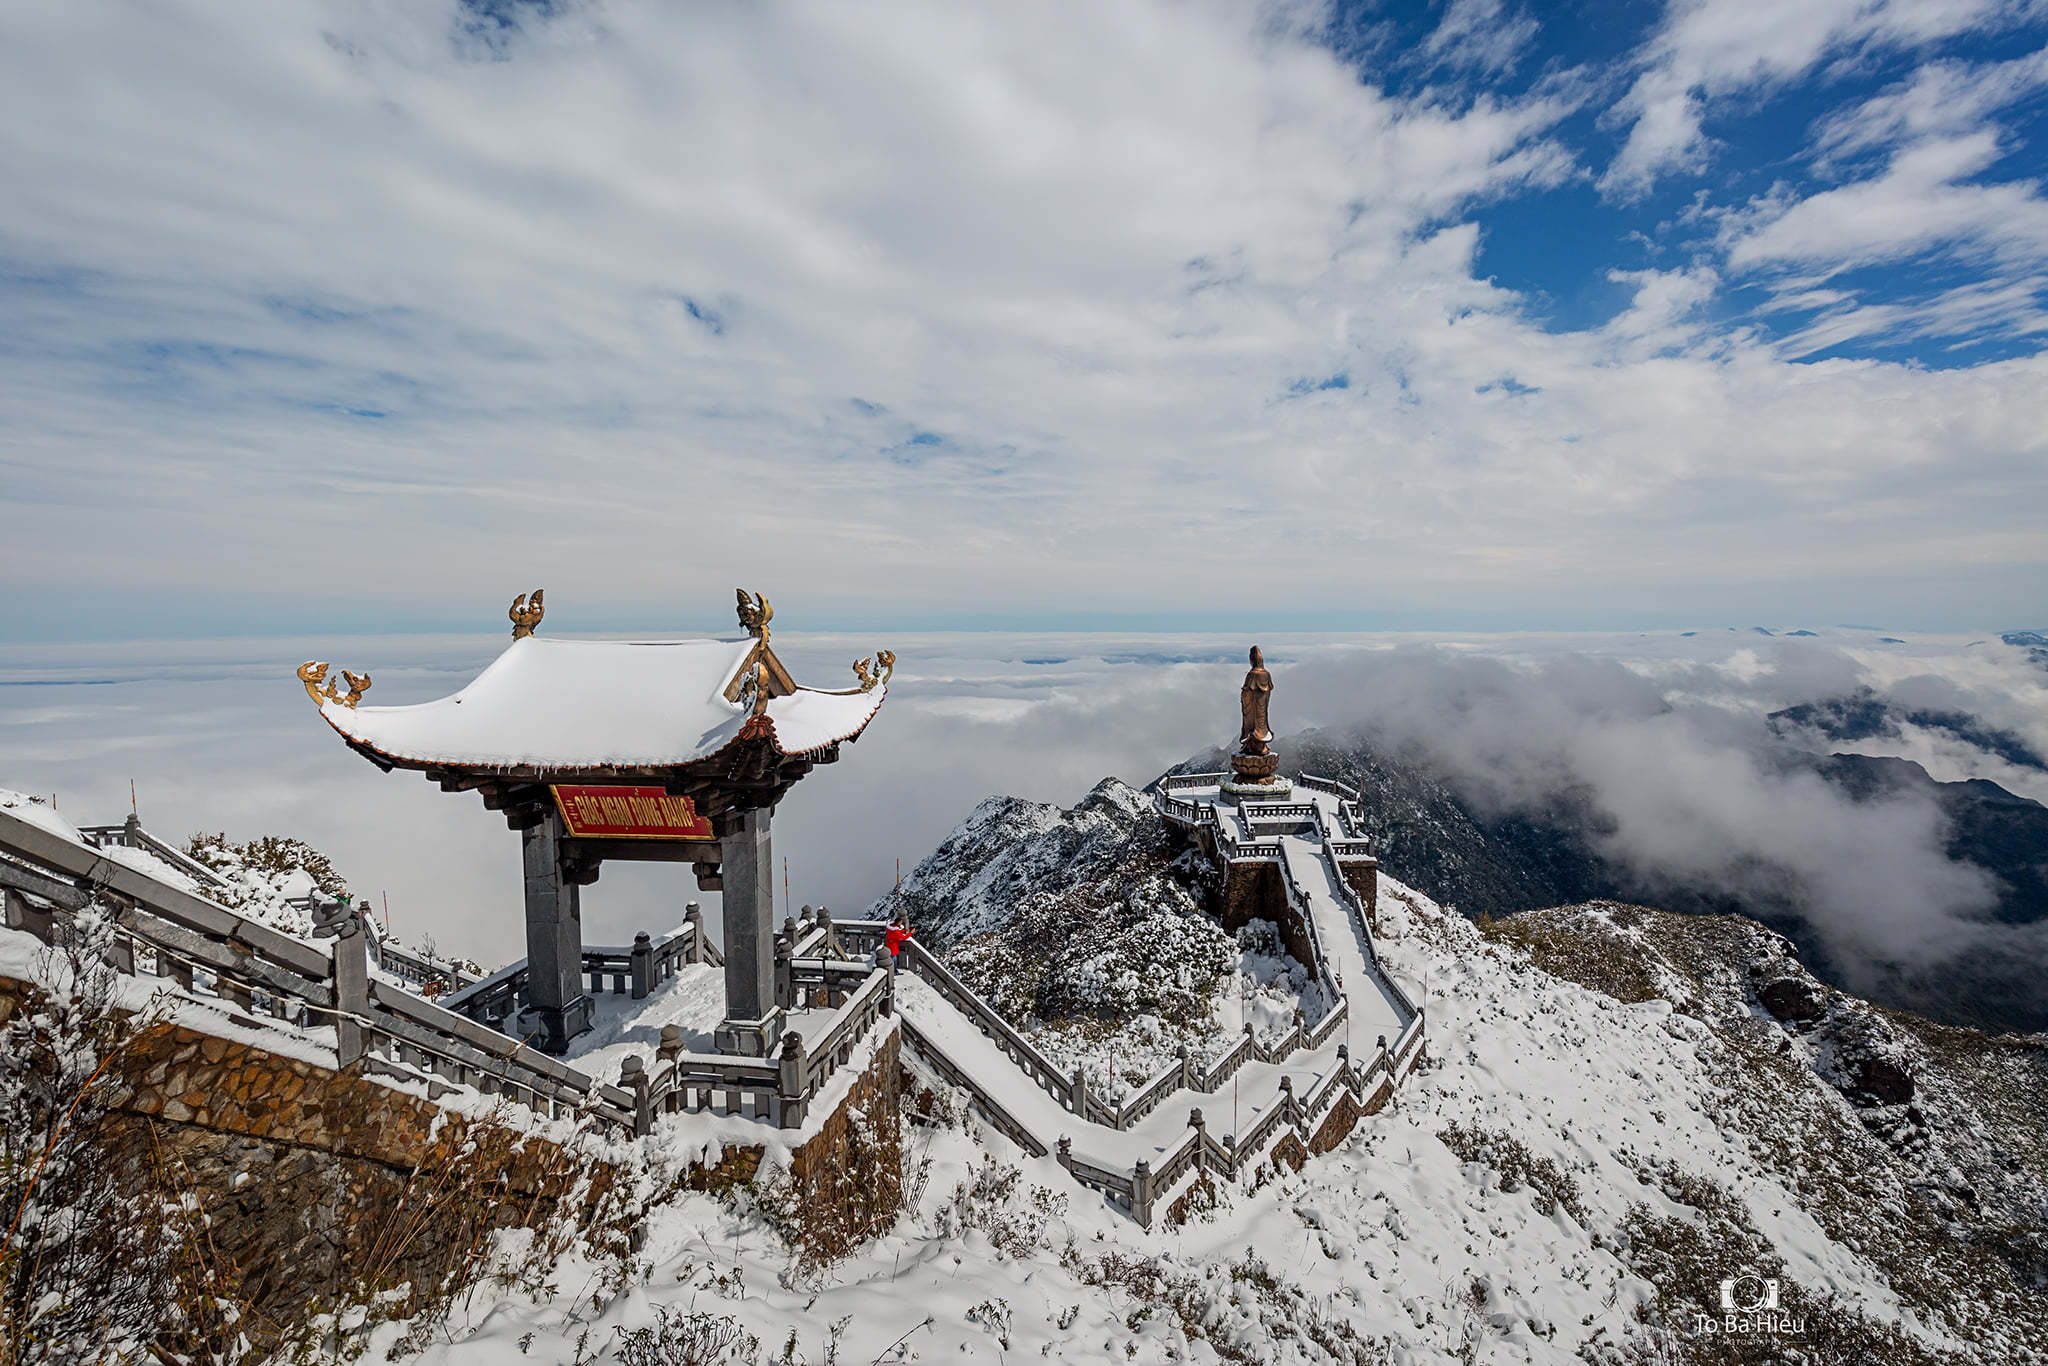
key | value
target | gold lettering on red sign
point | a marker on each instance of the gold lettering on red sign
(591, 811)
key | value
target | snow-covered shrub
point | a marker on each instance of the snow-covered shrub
(1553, 1186)
(994, 1315)
(991, 1200)
(688, 1339)
(100, 1251)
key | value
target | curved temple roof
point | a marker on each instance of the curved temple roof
(576, 704)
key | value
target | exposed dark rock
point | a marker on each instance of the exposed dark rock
(1792, 999)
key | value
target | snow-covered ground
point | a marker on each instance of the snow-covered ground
(1498, 1212)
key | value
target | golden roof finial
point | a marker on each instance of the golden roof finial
(755, 614)
(869, 679)
(314, 675)
(526, 614)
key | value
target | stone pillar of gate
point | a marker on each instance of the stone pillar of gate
(753, 1023)
(556, 1009)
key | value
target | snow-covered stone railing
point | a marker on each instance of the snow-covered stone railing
(1319, 969)
(775, 1090)
(1329, 785)
(1247, 848)
(418, 970)
(1278, 813)
(131, 835)
(1146, 1187)
(259, 976)
(927, 1053)
(1071, 1092)
(634, 972)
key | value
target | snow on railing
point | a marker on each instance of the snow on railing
(131, 835)
(256, 972)
(1329, 785)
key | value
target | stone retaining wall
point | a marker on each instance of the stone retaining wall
(318, 1186)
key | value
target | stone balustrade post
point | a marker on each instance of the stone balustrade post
(633, 1076)
(1080, 1094)
(1287, 1098)
(1187, 1068)
(1141, 1193)
(351, 990)
(693, 918)
(1066, 1152)
(785, 974)
(1201, 1128)
(791, 1102)
(643, 965)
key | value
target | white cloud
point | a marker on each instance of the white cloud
(913, 310)
(1663, 314)
(1920, 202)
(1942, 99)
(1707, 49)
(1481, 35)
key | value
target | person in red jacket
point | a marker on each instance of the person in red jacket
(894, 936)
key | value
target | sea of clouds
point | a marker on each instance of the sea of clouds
(1666, 735)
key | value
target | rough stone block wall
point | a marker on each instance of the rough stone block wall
(1258, 891)
(1337, 1125)
(1363, 877)
(317, 1185)
(1288, 1150)
(848, 1177)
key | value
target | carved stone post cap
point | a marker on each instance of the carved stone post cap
(1383, 1043)
(1181, 1052)
(1195, 1120)
(789, 926)
(1144, 1169)
(792, 1045)
(805, 912)
(631, 1067)
(1344, 1051)
(642, 939)
(1247, 1026)
(1287, 1085)
(692, 911)
(1066, 1144)
(671, 1038)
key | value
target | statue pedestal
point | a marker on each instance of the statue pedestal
(1273, 789)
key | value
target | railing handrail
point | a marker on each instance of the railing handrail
(86, 864)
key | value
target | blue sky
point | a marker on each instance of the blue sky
(1473, 314)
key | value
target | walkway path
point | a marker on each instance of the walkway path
(1374, 1011)
(1256, 1100)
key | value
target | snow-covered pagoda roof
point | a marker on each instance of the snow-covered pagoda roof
(582, 704)
(551, 707)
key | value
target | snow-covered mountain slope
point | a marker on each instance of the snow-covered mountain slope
(1571, 1177)
(1085, 927)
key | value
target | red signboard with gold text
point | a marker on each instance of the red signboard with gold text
(629, 813)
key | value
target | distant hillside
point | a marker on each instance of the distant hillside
(1488, 863)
